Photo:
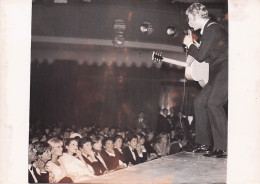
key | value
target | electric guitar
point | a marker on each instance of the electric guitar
(194, 70)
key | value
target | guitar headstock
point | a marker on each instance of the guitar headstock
(157, 57)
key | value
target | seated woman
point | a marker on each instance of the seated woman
(140, 146)
(162, 146)
(89, 156)
(118, 142)
(75, 168)
(57, 173)
(108, 154)
(149, 144)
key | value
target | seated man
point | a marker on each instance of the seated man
(130, 152)
(37, 171)
(31, 159)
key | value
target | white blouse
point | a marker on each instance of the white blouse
(56, 173)
(75, 168)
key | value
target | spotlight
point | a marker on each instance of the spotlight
(118, 41)
(119, 28)
(146, 28)
(143, 28)
(171, 30)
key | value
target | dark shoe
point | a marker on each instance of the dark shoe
(202, 148)
(216, 154)
(220, 154)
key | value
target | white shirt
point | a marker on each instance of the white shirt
(56, 172)
(133, 154)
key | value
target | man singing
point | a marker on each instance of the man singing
(210, 117)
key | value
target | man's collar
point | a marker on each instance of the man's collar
(204, 25)
(131, 149)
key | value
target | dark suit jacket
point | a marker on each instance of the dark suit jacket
(213, 49)
(163, 124)
(141, 125)
(129, 157)
(43, 178)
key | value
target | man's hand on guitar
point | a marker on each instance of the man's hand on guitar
(196, 44)
(188, 40)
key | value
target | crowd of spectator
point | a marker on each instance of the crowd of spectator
(74, 155)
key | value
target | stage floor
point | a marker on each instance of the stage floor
(183, 167)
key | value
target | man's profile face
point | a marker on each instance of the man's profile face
(193, 21)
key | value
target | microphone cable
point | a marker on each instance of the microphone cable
(183, 100)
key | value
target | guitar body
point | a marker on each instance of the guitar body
(194, 70)
(197, 71)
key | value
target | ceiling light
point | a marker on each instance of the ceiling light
(146, 28)
(171, 30)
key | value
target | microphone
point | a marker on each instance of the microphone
(189, 34)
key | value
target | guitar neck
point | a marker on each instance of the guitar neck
(175, 62)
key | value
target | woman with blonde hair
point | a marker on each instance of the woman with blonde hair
(57, 173)
(162, 146)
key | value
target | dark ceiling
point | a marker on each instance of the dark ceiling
(95, 18)
(78, 29)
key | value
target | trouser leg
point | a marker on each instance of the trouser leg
(202, 126)
(217, 99)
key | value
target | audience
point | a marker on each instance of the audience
(76, 154)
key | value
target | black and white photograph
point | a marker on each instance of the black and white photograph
(129, 91)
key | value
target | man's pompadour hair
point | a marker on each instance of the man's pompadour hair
(198, 9)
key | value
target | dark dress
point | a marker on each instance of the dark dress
(98, 167)
(42, 178)
(112, 162)
(119, 155)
